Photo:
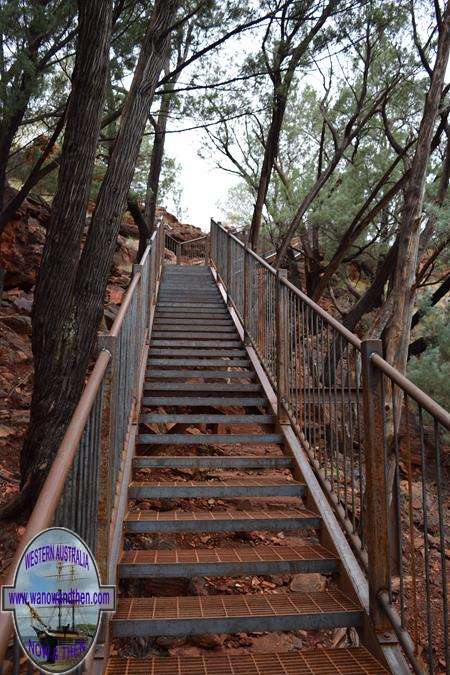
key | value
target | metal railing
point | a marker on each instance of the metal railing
(80, 491)
(186, 251)
(373, 438)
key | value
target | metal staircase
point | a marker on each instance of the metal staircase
(231, 428)
(196, 362)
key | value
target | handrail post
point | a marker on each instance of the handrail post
(246, 302)
(377, 522)
(178, 253)
(208, 251)
(282, 342)
(228, 269)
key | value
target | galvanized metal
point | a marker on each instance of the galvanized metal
(227, 561)
(273, 520)
(221, 614)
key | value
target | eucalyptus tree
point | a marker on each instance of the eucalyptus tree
(285, 43)
(404, 288)
(35, 36)
(73, 278)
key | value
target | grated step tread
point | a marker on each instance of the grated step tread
(240, 561)
(212, 462)
(246, 487)
(175, 353)
(220, 521)
(234, 613)
(209, 374)
(195, 343)
(318, 661)
(175, 418)
(208, 363)
(202, 386)
(197, 439)
(200, 401)
(190, 335)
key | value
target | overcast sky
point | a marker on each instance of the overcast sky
(203, 184)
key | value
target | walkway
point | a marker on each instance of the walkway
(207, 435)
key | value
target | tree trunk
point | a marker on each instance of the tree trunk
(270, 153)
(73, 334)
(144, 232)
(16, 202)
(156, 161)
(404, 285)
(58, 380)
(281, 92)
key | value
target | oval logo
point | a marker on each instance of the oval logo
(57, 599)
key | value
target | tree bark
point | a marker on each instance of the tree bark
(144, 231)
(280, 96)
(74, 334)
(58, 382)
(404, 285)
(156, 161)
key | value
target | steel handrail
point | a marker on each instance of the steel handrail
(421, 398)
(351, 337)
(370, 424)
(190, 241)
(50, 494)
(47, 502)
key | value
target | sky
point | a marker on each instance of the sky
(204, 185)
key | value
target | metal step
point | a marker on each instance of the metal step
(206, 328)
(211, 462)
(207, 374)
(200, 316)
(177, 295)
(196, 418)
(246, 487)
(191, 305)
(200, 401)
(273, 520)
(242, 561)
(202, 386)
(226, 363)
(189, 335)
(234, 613)
(174, 353)
(353, 661)
(194, 343)
(205, 439)
(193, 322)
(197, 314)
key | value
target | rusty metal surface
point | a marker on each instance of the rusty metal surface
(219, 521)
(324, 405)
(231, 613)
(356, 661)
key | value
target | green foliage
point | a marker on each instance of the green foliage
(431, 370)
